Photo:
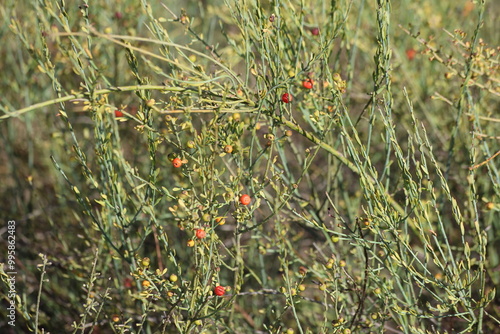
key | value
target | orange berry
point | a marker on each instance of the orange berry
(307, 84)
(200, 233)
(302, 271)
(190, 243)
(245, 199)
(146, 284)
(411, 53)
(177, 162)
(220, 290)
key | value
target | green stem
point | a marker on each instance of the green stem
(339, 156)
(66, 98)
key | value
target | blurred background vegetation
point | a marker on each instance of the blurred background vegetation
(96, 193)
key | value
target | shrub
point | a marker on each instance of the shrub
(361, 147)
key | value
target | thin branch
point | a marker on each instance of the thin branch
(485, 161)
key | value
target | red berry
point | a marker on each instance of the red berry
(245, 199)
(307, 84)
(177, 162)
(315, 31)
(411, 53)
(118, 113)
(220, 290)
(128, 282)
(201, 233)
(286, 98)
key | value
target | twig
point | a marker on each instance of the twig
(485, 161)
(209, 47)
(362, 298)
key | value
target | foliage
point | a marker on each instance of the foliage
(132, 130)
